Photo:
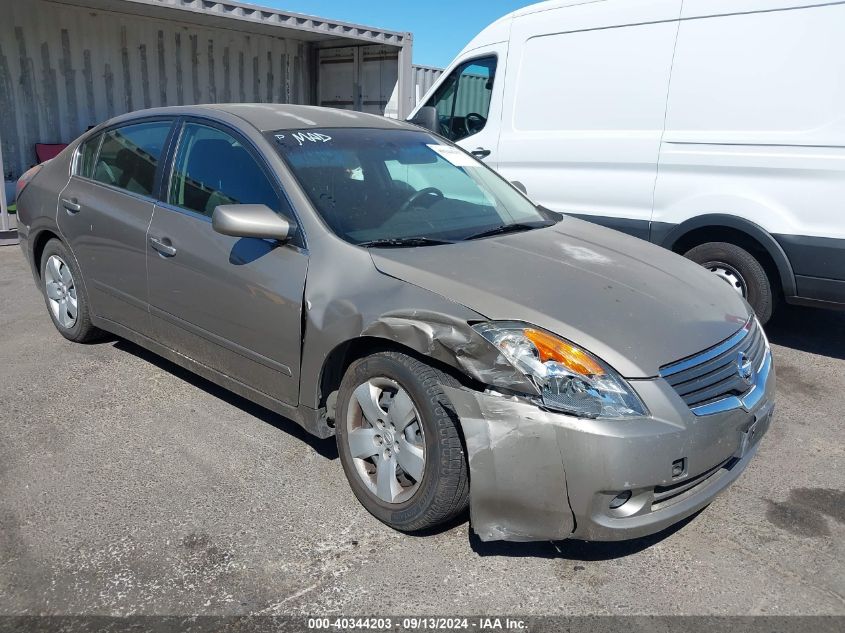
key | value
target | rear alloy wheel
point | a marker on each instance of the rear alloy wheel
(65, 295)
(61, 292)
(740, 270)
(399, 443)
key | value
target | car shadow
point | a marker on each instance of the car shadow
(325, 448)
(811, 330)
(572, 549)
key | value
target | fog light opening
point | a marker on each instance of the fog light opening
(620, 500)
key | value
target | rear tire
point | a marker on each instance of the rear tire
(741, 270)
(64, 294)
(441, 491)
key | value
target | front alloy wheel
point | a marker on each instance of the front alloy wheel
(398, 440)
(386, 439)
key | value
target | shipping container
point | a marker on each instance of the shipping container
(66, 65)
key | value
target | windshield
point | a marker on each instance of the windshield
(375, 186)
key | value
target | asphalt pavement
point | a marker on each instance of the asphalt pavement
(130, 486)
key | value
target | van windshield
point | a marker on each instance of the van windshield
(376, 187)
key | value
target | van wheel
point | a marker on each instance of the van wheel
(398, 441)
(65, 295)
(740, 270)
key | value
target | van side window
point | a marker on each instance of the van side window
(129, 156)
(85, 157)
(214, 168)
(463, 100)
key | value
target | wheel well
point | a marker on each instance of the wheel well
(699, 236)
(342, 356)
(38, 247)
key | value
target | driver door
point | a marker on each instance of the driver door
(469, 102)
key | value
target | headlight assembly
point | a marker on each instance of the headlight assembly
(569, 378)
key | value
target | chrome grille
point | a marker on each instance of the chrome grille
(714, 374)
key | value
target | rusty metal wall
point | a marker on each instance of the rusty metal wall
(65, 68)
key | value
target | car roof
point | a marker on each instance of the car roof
(268, 117)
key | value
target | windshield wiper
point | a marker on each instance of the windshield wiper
(516, 227)
(402, 242)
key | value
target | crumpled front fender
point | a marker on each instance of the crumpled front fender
(452, 341)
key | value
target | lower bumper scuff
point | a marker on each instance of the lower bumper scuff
(517, 480)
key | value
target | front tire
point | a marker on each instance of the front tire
(64, 294)
(741, 270)
(398, 441)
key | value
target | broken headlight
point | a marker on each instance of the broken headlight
(569, 378)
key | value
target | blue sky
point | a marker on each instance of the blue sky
(441, 28)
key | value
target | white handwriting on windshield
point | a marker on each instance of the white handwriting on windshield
(313, 137)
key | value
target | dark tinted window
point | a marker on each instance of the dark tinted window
(214, 168)
(463, 100)
(129, 156)
(85, 159)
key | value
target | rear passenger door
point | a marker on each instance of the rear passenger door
(104, 212)
(584, 107)
(231, 304)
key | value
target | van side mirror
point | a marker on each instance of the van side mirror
(251, 220)
(426, 117)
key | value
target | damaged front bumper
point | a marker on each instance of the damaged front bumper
(540, 475)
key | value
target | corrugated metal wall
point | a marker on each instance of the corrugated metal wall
(64, 68)
(473, 95)
(424, 78)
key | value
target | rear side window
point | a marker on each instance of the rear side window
(86, 156)
(214, 168)
(129, 156)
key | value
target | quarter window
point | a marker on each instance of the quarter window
(214, 168)
(129, 156)
(86, 156)
(463, 100)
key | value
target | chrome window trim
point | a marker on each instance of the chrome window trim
(116, 189)
(747, 402)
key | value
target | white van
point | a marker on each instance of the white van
(715, 128)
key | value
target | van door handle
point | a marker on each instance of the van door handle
(166, 249)
(71, 205)
(480, 152)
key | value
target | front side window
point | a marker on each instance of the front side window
(214, 168)
(373, 185)
(129, 156)
(463, 100)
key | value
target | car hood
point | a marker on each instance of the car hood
(635, 305)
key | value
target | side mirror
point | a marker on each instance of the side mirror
(520, 186)
(251, 220)
(426, 117)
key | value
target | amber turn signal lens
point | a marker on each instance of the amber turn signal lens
(571, 357)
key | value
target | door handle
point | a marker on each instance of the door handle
(480, 152)
(71, 205)
(165, 248)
